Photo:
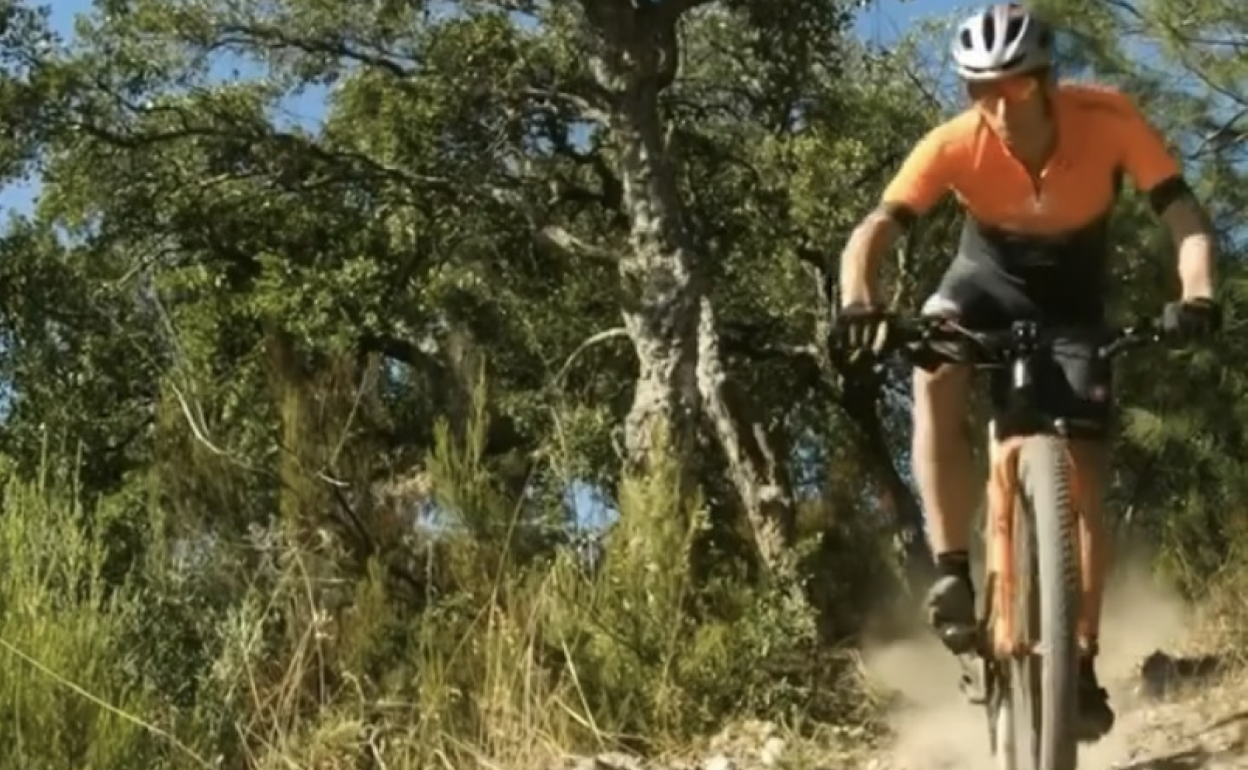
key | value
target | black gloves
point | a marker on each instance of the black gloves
(1190, 320)
(861, 331)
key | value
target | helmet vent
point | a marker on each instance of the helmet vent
(1013, 30)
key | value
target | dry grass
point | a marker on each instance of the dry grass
(283, 653)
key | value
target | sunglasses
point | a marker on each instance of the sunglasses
(1012, 89)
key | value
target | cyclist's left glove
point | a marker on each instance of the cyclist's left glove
(1191, 319)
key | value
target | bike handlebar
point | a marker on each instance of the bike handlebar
(1000, 345)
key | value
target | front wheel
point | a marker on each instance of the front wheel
(1035, 715)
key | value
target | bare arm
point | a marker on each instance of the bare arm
(1195, 245)
(922, 179)
(860, 261)
(1157, 172)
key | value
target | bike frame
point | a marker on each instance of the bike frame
(1018, 349)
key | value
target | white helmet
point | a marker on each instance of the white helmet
(1001, 40)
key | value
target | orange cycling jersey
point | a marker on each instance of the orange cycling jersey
(1100, 135)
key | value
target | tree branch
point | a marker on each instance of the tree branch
(239, 35)
(594, 339)
(361, 165)
(558, 238)
(583, 107)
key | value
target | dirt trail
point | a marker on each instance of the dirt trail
(1204, 729)
(1201, 725)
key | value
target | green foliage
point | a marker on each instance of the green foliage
(304, 662)
(292, 407)
(63, 630)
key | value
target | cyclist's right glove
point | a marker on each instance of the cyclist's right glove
(1190, 320)
(861, 331)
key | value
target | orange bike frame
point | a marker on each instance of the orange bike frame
(1002, 571)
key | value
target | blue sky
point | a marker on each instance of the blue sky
(881, 22)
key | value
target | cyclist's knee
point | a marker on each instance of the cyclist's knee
(942, 395)
(941, 402)
(1092, 454)
(945, 352)
(1091, 462)
(940, 306)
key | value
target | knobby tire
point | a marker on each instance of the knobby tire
(1043, 687)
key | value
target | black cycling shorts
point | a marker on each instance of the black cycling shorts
(1075, 383)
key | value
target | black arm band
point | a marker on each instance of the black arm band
(902, 215)
(1164, 194)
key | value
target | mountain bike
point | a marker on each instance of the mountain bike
(1025, 668)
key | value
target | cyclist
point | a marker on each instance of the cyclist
(1036, 164)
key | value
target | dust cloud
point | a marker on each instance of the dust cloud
(938, 728)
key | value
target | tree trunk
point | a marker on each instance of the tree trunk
(667, 313)
(632, 64)
(759, 476)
